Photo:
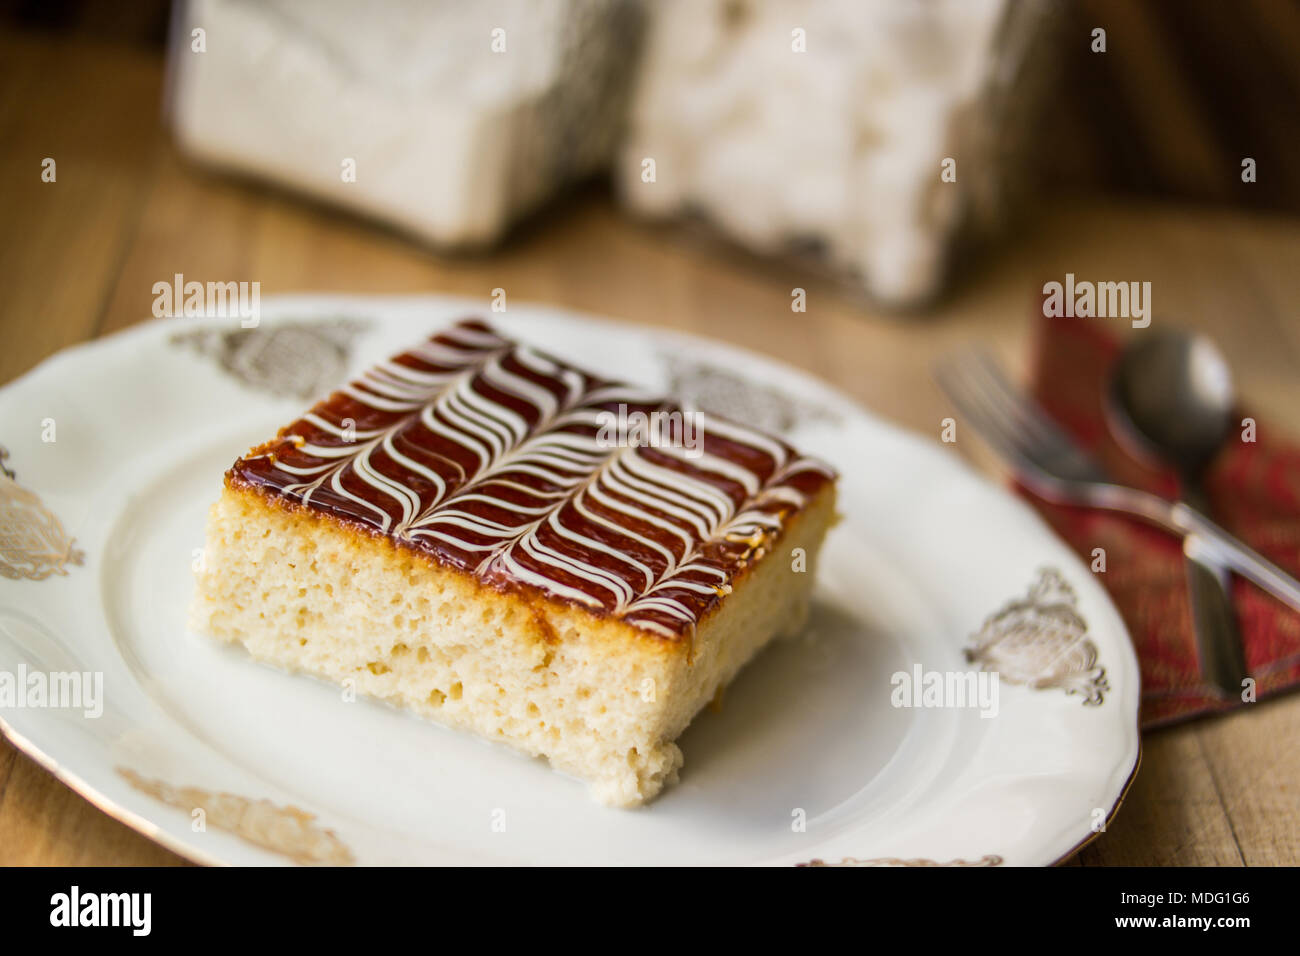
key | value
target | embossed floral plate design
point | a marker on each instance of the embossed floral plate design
(113, 452)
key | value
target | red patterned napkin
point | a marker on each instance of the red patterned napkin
(1254, 490)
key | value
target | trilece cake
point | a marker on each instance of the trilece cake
(461, 533)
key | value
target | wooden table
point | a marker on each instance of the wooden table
(79, 258)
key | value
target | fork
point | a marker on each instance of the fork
(1048, 462)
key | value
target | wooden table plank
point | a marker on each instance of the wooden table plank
(43, 823)
(65, 239)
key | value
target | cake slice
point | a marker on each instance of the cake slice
(465, 533)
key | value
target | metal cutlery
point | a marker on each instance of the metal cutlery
(1054, 467)
(1170, 399)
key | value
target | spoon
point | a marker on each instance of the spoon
(1171, 392)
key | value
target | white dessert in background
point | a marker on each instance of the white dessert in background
(789, 124)
(452, 140)
(839, 146)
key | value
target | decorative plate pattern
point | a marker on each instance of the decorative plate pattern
(987, 860)
(1042, 641)
(295, 359)
(713, 388)
(286, 830)
(33, 544)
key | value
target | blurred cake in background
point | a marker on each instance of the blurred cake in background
(458, 118)
(793, 125)
(809, 128)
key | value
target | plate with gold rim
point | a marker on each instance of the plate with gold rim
(964, 693)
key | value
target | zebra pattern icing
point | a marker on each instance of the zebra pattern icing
(489, 456)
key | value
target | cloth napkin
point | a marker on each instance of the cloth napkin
(1254, 490)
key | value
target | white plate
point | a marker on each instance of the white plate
(225, 760)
